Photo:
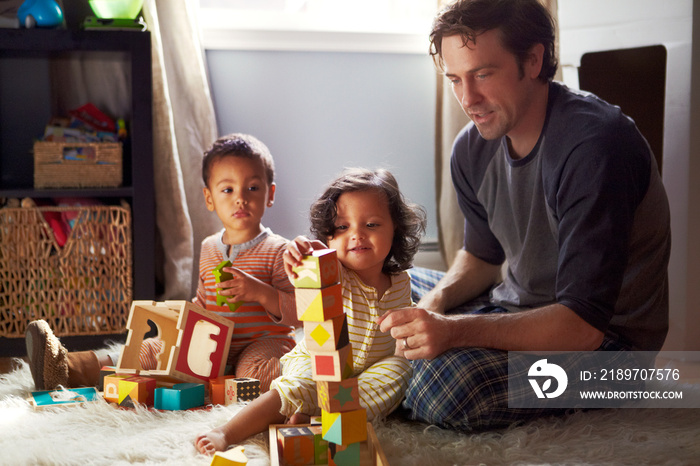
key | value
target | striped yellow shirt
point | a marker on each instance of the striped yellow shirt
(382, 376)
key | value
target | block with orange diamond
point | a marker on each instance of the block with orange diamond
(337, 397)
(319, 304)
(332, 365)
(318, 270)
(328, 335)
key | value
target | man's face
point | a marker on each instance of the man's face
(489, 85)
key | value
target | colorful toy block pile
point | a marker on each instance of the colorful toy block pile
(343, 421)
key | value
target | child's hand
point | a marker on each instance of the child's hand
(242, 287)
(296, 250)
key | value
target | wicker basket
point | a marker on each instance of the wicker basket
(81, 288)
(99, 165)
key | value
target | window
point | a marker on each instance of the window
(400, 26)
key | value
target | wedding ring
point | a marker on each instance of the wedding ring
(405, 343)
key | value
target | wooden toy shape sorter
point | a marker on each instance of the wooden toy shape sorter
(195, 341)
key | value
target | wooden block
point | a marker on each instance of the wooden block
(345, 428)
(221, 276)
(180, 397)
(318, 270)
(320, 304)
(336, 397)
(241, 389)
(104, 372)
(320, 445)
(328, 335)
(217, 389)
(296, 445)
(233, 457)
(365, 458)
(134, 390)
(332, 365)
(344, 455)
(111, 386)
(195, 341)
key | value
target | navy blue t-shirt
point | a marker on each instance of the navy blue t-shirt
(583, 220)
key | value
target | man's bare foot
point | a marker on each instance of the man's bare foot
(211, 442)
(299, 418)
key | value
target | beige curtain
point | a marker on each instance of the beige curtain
(449, 120)
(184, 125)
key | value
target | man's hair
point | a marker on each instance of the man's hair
(238, 145)
(409, 219)
(522, 24)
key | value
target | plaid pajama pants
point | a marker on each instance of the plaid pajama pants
(467, 388)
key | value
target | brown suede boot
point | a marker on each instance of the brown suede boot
(52, 365)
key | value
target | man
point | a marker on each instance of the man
(559, 184)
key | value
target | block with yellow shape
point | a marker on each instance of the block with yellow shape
(133, 390)
(328, 335)
(233, 457)
(319, 304)
(318, 270)
(344, 428)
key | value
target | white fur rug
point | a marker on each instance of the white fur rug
(99, 434)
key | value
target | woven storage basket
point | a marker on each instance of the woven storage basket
(101, 168)
(82, 288)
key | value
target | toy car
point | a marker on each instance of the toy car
(41, 13)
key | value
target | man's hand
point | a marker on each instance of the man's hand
(419, 334)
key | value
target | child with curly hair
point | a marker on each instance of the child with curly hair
(376, 233)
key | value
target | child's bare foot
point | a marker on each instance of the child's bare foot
(299, 418)
(211, 442)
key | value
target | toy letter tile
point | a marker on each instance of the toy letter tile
(296, 445)
(241, 389)
(328, 335)
(221, 276)
(319, 304)
(336, 397)
(181, 396)
(332, 365)
(111, 387)
(318, 270)
(345, 428)
(232, 457)
(136, 390)
(344, 455)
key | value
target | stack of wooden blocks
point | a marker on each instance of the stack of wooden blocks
(319, 300)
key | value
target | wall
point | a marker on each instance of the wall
(597, 25)
(320, 111)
